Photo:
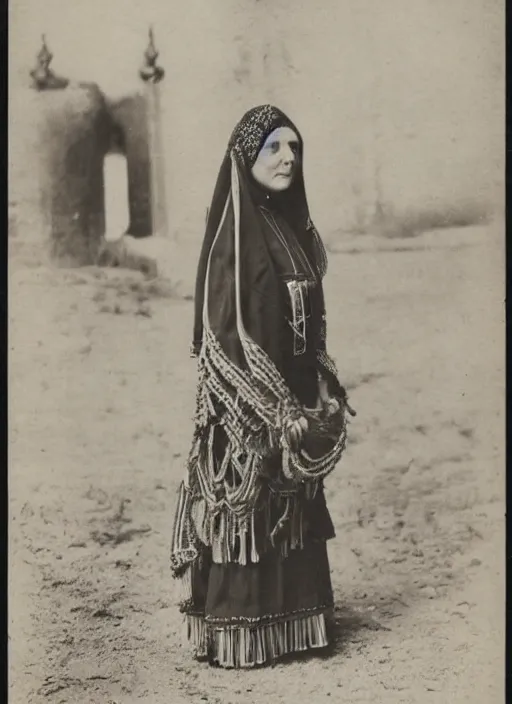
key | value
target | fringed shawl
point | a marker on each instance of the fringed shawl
(239, 312)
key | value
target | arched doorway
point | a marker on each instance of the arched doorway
(115, 179)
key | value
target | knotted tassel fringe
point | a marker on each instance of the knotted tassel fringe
(230, 536)
(183, 587)
(241, 647)
(233, 538)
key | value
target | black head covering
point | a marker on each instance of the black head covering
(261, 307)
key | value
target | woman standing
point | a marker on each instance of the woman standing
(251, 524)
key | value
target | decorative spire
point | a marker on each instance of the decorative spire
(45, 56)
(150, 72)
(42, 76)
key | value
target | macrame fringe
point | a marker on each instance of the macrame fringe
(183, 587)
(241, 647)
(233, 537)
(184, 540)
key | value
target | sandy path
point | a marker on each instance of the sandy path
(101, 400)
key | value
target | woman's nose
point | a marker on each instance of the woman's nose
(288, 155)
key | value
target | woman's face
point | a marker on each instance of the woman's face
(278, 160)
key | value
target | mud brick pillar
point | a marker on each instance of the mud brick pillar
(72, 137)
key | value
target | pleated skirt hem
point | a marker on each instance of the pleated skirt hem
(255, 645)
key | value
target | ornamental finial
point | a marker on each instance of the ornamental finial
(42, 76)
(150, 72)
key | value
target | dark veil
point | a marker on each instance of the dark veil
(261, 308)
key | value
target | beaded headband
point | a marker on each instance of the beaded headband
(252, 130)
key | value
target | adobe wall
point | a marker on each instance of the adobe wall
(400, 103)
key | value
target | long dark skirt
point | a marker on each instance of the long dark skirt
(253, 614)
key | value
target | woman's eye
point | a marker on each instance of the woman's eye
(274, 147)
(294, 146)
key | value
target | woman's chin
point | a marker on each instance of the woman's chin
(281, 183)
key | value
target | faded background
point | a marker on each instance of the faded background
(401, 105)
(399, 101)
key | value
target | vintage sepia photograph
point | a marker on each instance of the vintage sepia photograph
(256, 366)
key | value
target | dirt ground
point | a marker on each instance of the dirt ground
(101, 400)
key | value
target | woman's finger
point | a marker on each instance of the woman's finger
(291, 435)
(304, 425)
(334, 405)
